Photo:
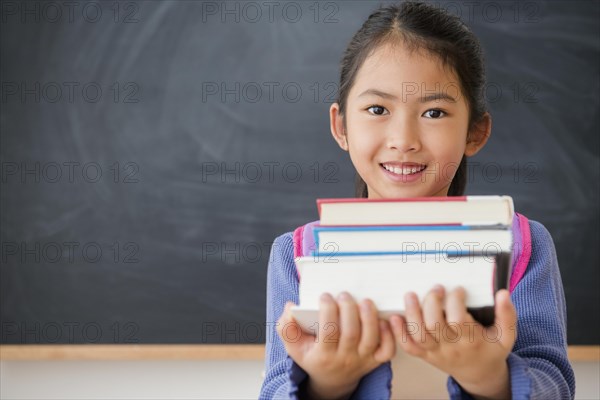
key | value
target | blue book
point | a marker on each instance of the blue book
(426, 239)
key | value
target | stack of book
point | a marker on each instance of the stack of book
(383, 248)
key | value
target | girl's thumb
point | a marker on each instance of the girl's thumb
(286, 315)
(506, 319)
(286, 320)
(294, 339)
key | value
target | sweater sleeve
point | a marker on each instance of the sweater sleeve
(282, 375)
(538, 365)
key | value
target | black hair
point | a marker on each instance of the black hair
(420, 26)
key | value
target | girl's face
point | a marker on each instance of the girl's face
(407, 124)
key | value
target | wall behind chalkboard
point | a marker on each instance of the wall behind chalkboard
(152, 151)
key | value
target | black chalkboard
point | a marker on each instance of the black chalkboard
(151, 151)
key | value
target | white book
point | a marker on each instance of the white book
(386, 278)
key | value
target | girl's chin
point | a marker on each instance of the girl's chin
(407, 192)
(397, 193)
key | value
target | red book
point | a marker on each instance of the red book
(463, 210)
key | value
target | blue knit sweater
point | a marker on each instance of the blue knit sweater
(538, 365)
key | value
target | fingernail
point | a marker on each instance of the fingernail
(439, 289)
(365, 306)
(410, 299)
(326, 297)
(343, 296)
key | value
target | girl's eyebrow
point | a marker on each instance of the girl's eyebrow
(426, 99)
(438, 96)
(378, 93)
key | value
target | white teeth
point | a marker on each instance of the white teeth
(403, 171)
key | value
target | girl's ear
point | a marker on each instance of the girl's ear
(479, 135)
(336, 123)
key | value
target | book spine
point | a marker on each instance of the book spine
(503, 270)
(503, 264)
(446, 253)
(320, 202)
(408, 227)
(484, 315)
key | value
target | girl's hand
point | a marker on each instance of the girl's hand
(349, 344)
(453, 342)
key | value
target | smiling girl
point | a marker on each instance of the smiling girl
(410, 110)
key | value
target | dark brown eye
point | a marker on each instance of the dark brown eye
(434, 113)
(377, 110)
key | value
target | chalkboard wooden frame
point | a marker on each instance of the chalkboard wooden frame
(178, 352)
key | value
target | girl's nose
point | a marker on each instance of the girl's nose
(404, 137)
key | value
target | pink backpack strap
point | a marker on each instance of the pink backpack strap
(521, 249)
(304, 241)
(298, 241)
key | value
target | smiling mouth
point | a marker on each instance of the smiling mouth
(404, 169)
